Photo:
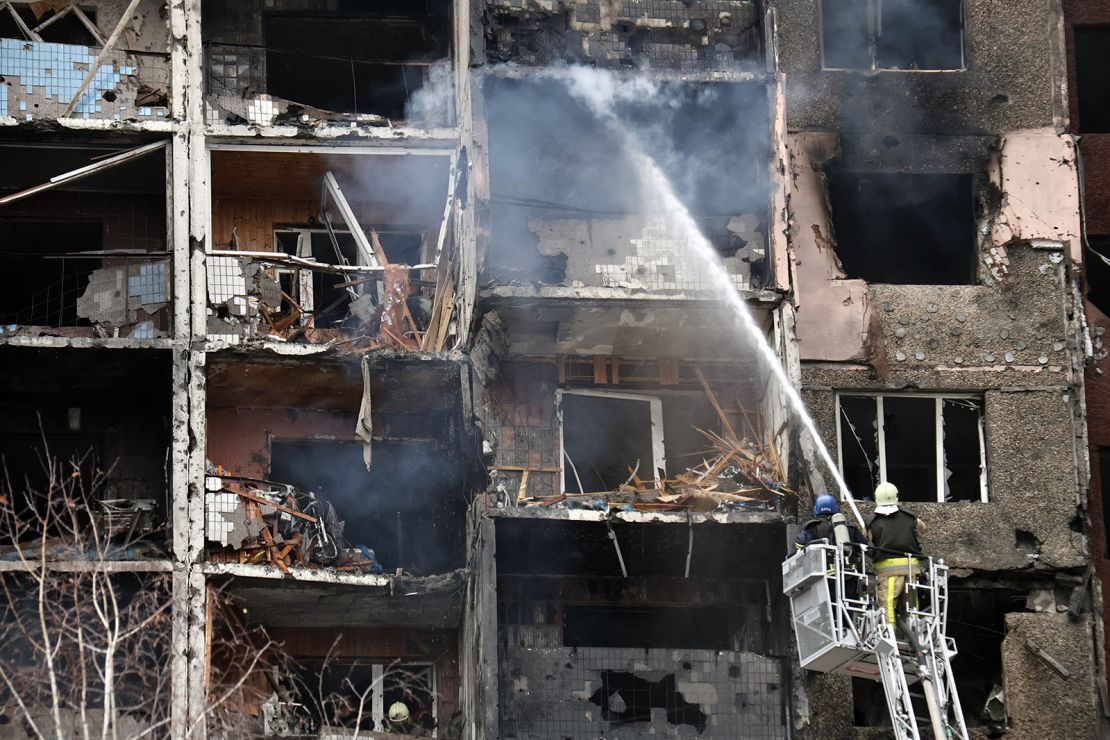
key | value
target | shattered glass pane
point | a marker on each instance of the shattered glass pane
(859, 444)
(962, 449)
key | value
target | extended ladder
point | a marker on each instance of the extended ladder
(841, 629)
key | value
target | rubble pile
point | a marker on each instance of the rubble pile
(260, 522)
(739, 474)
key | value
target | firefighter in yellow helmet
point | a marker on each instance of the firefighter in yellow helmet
(399, 719)
(895, 535)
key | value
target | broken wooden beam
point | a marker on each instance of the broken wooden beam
(716, 406)
(267, 502)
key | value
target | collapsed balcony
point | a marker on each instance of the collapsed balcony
(334, 469)
(85, 465)
(88, 60)
(83, 243)
(306, 64)
(351, 251)
(630, 628)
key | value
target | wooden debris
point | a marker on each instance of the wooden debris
(740, 473)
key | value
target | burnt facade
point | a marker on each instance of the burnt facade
(434, 352)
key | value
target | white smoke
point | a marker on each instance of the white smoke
(433, 102)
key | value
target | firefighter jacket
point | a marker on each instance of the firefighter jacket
(894, 533)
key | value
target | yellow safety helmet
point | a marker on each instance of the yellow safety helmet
(398, 712)
(886, 494)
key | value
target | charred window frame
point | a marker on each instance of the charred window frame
(920, 35)
(571, 470)
(875, 443)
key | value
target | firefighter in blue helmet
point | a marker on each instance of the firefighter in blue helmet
(821, 527)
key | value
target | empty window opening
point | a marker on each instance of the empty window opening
(659, 627)
(39, 285)
(326, 62)
(607, 436)
(931, 447)
(892, 34)
(1092, 65)
(404, 508)
(64, 26)
(1096, 272)
(904, 229)
(625, 698)
(73, 410)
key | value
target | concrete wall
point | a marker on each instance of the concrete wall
(1011, 58)
(1040, 701)
(1031, 174)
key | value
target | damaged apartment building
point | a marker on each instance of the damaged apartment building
(420, 353)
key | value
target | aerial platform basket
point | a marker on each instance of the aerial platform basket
(841, 629)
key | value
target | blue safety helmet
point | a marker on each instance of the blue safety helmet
(825, 504)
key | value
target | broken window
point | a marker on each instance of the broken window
(321, 295)
(609, 437)
(360, 262)
(892, 34)
(904, 229)
(565, 181)
(400, 509)
(931, 447)
(1092, 63)
(39, 286)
